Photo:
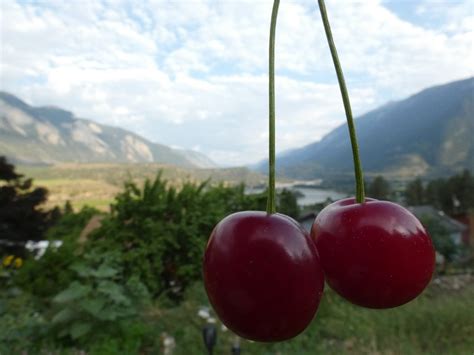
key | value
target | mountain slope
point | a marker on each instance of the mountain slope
(51, 135)
(430, 133)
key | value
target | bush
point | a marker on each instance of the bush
(442, 240)
(21, 216)
(98, 300)
(46, 276)
(21, 322)
(162, 231)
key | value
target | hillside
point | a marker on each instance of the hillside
(428, 134)
(49, 135)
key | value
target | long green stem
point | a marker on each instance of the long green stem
(271, 205)
(360, 194)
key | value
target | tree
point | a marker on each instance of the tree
(162, 231)
(51, 273)
(454, 196)
(433, 193)
(288, 203)
(21, 219)
(414, 193)
(442, 241)
(379, 188)
(461, 191)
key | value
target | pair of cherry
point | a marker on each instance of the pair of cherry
(264, 274)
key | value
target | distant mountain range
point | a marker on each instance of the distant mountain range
(48, 135)
(429, 134)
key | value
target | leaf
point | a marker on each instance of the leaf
(73, 292)
(111, 314)
(79, 329)
(104, 271)
(81, 269)
(108, 314)
(138, 290)
(114, 291)
(64, 315)
(92, 306)
(63, 332)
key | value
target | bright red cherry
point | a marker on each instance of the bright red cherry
(262, 275)
(375, 254)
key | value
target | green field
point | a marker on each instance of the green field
(80, 192)
(441, 321)
(96, 185)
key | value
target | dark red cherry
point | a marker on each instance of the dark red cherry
(375, 254)
(262, 275)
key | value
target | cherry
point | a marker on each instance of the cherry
(262, 275)
(375, 254)
(261, 269)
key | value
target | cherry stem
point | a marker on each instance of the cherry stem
(271, 205)
(359, 176)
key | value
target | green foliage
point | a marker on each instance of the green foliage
(433, 193)
(20, 218)
(21, 321)
(70, 225)
(162, 231)
(316, 207)
(437, 322)
(414, 193)
(454, 196)
(98, 299)
(117, 293)
(379, 189)
(457, 194)
(131, 336)
(287, 203)
(442, 241)
(46, 276)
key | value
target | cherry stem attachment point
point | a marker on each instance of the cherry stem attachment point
(359, 176)
(271, 204)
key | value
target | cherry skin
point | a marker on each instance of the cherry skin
(262, 275)
(375, 254)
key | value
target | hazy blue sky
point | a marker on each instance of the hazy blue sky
(193, 74)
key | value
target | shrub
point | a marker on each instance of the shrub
(162, 231)
(46, 276)
(98, 300)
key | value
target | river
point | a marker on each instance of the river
(309, 195)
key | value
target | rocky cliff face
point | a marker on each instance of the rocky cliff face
(48, 135)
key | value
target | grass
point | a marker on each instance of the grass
(438, 322)
(116, 174)
(80, 192)
(96, 185)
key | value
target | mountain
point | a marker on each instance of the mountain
(428, 134)
(46, 135)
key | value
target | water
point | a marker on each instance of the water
(314, 195)
(309, 195)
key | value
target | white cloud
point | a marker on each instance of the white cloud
(193, 73)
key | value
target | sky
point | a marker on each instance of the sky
(193, 74)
